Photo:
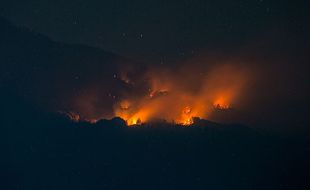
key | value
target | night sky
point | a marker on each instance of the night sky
(165, 94)
(270, 37)
(155, 31)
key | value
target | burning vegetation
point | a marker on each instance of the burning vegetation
(178, 97)
(174, 95)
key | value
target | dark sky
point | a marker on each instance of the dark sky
(271, 34)
(158, 30)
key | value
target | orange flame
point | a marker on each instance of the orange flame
(171, 99)
(178, 96)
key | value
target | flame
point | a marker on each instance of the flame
(221, 103)
(187, 118)
(177, 95)
(170, 98)
(136, 119)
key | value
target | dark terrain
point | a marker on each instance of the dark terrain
(45, 150)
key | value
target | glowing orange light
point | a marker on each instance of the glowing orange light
(178, 95)
(221, 103)
(186, 116)
(125, 104)
(187, 110)
(187, 122)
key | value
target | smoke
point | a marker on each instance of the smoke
(195, 88)
(258, 86)
(265, 82)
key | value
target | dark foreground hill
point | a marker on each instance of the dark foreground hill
(55, 75)
(48, 151)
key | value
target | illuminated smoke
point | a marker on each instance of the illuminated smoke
(170, 94)
(180, 96)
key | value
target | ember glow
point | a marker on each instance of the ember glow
(173, 95)
(178, 97)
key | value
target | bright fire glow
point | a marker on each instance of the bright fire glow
(169, 97)
(221, 103)
(176, 95)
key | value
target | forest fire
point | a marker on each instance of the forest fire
(175, 96)
(176, 99)
(221, 104)
(174, 114)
